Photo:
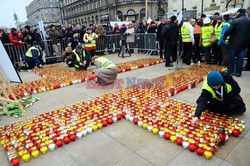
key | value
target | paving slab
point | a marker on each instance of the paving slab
(54, 158)
(136, 138)
(224, 150)
(188, 158)
(119, 128)
(160, 151)
(226, 163)
(133, 159)
(3, 158)
(105, 155)
(89, 143)
(240, 154)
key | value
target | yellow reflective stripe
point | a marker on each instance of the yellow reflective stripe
(206, 35)
(78, 57)
(218, 30)
(105, 63)
(29, 53)
(205, 86)
(185, 34)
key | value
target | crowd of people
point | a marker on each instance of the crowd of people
(223, 40)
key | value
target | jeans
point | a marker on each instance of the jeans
(236, 61)
(207, 51)
(247, 67)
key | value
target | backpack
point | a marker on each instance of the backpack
(165, 32)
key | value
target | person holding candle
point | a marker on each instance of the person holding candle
(220, 94)
(106, 71)
(80, 59)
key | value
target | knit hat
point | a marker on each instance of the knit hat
(214, 78)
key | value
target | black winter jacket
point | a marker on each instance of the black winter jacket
(207, 96)
(239, 33)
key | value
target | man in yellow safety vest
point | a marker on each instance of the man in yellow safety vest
(79, 58)
(224, 44)
(32, 58)
(220, 94)
(89, 39)
(187, 34)
(106, 71)
(216, 48)
(206, 32)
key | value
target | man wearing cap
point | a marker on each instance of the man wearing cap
(106, 71)
(80, 59)
(32, 58)
(205, 40)
(220, 94)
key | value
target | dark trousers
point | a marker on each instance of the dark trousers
(230, 106)
(197, 49)
(170, 49)
(174, 52)
(217, 54)
(207, 51)
(236, 60)
(162, 47)
(225, 54)
(247, 67)
(187, 52)
(90, 53)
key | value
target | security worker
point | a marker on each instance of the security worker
(90, 42)
(220, 94)
(224, 44)
(217, 49)
(206, 32)
(32, 58)
(106, 70)
(187, 34)
(79, 58)
(197, 48)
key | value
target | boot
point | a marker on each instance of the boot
(208, 58)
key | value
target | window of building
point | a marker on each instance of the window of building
(142, 14)
(119, 15)
(131, 12)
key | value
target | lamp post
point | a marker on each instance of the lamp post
(202, 3)
(146, 9)
(60, 9)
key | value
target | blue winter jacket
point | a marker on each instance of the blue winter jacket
(224, 29)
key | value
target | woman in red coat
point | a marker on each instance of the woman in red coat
(17, 39)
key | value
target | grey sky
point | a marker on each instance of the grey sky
(7, 9)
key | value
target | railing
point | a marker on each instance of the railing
(108, 43)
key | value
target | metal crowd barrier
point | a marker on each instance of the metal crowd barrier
(108, 43)
(53, 49)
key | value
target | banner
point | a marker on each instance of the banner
(7, 67)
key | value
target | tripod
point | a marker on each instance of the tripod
(123, 47)
(179, 56)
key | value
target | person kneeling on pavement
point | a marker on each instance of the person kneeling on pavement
(79, 58)
(220, 94)
(32, 58)
(106, 71)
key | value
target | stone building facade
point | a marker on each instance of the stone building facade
(46, 10)
(101, 11)
(195, 6)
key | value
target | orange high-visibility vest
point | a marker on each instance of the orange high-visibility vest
(197, 29)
